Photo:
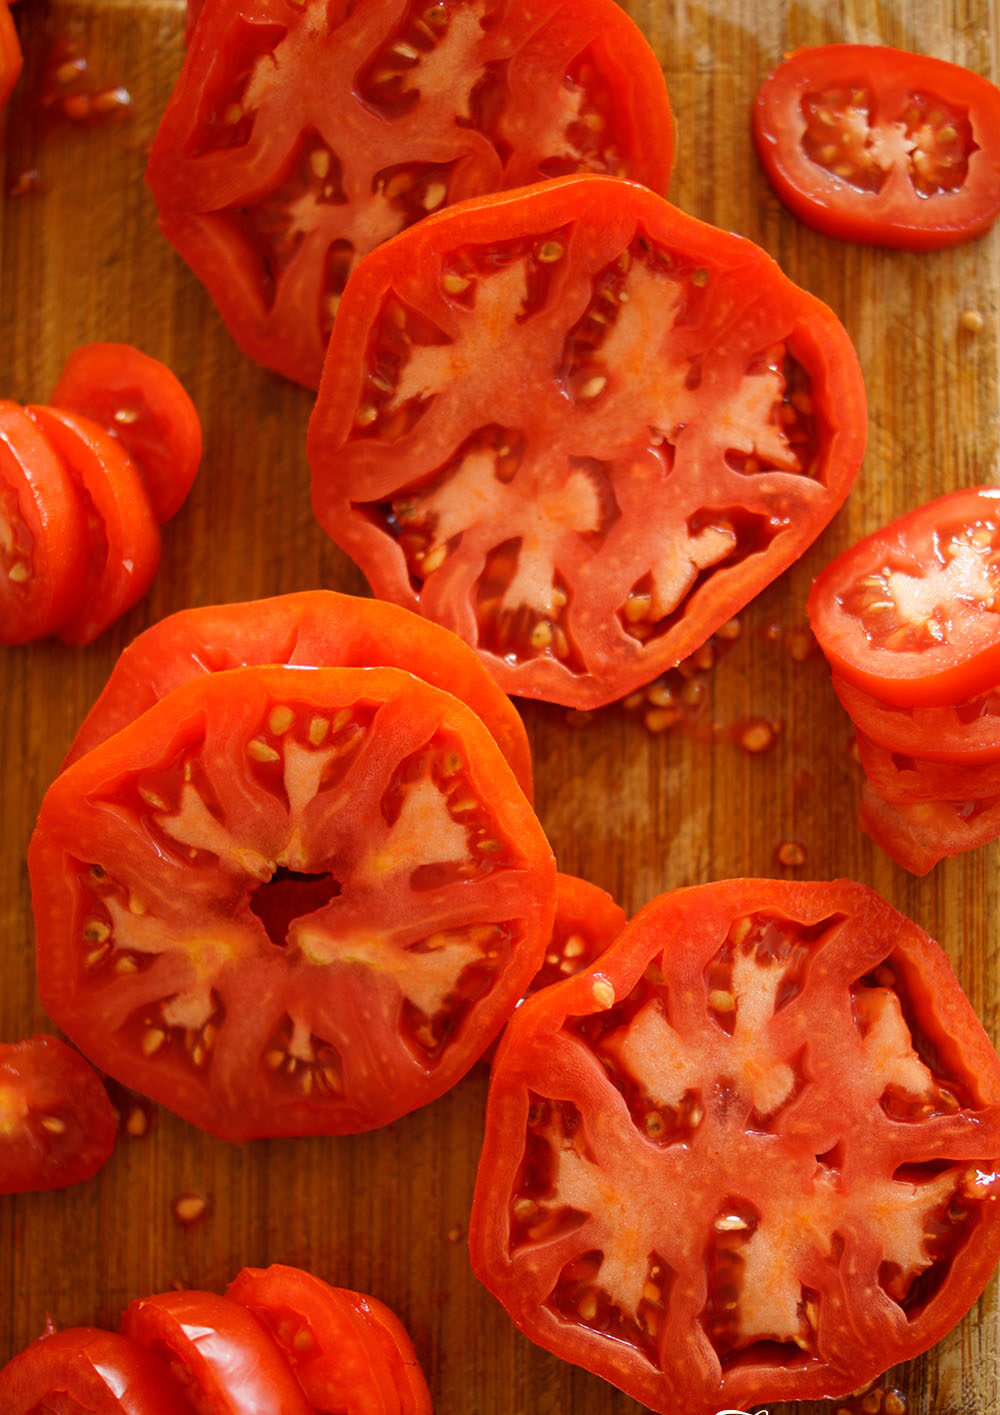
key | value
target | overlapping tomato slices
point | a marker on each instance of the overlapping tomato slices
(300, 136)
(750, 1155)
(670, 424)
(290, 900)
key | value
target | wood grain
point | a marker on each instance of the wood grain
(636, 812)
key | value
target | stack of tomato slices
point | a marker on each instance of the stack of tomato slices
(280, 1339)
(909, 619)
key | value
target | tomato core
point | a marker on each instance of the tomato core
(289, 896)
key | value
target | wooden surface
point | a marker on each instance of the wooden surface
(637, 813)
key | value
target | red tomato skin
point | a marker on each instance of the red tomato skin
(694, 916)
(900, 219)
(905, 781)
(10, 53)
(604, 205)
(360, 1359)
(962, 735)
(918, 835)
(925, 678)
(101, 1371)
(44, 1079)
(144, 405)
(50, 507)
(316, 627)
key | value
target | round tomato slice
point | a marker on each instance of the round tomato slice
(10, 53)
(57, 1126)
(920, 834)
(349, 1352)
(83, 1371)
(966, 733)
(218, 1353)
(877, 145)
(43, 532)
(911, 614)
(316, 629)
(749, 1156)
(671, 423)
(904, 780)
(290, 900)
(145, 406)
(301, 136)
(123, 537)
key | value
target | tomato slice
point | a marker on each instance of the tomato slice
(919, 834)
(10, 53)
(218, 1353)
(966, 733)
(57, 1126)
(671, 424)
(873, 144)
(123, 537)
(142, 402)
(349, 1353)
(290, 901)
(587, 920)
(83, 1371)
(300, 137)
(749, 1156)
(43, 532)
(314, 628)
(904, 780)
(911, 614)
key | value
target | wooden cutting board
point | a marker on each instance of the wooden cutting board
(635, 811)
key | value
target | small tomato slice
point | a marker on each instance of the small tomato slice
(965, 733)
(911, 614)
(920, 834)
(123, 537)
(57, 1126)
(903, 780)
(671, 424)
(290, 900)
(748, 1156)
(83, 1371)
(873, 144)
(349, 1353)
(142, 402)
(316, 629)
(43, 532)
(217, 1352)
(10, 53)
(299, 137)
(587, 920)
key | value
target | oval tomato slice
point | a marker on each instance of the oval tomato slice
(904, 780)
(43, 532)
(911, 614)
(57, 1126)
(83, 1371)
(314, 628)
(919, 834)
(874, 144)
(290, 901)
(349, 1353)
(966, 733)
(141, 401)
(123, 537)
(218, 1353)
(670, 424)
(10, 53)
(749, 1156)
(299, 137)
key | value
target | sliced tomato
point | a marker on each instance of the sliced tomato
(299, 137)
(10, 53)
(146, 407)
(349, 1353)
(315, 628)
(920, 834)
(905, 780)
(290, 900)
(874, 144)
(748, 1156)
(587, 920)
(671, 423)
(43, 532)
(57, 1126)
(911, 614)
(123, 537)
(83, 1371)
(217, 1352)
(966, 733)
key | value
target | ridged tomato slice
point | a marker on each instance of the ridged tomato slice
(84, 1371)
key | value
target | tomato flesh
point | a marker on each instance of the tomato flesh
(904, 780)
(10, 53)
(748, 1155)
(57, 1126)
(962, 734)
(83, 1371)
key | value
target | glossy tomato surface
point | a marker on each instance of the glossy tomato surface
(962, 734)
(83, 1371)
(290, 900)
(874, 144)
(10, 53)
(587, 920)
(919, 834)
(906, 780)
(301, 136)
(57, 1126)
(748, 1156)
(670, 424)
(911, 614)
(349, 1352)
(315, 628)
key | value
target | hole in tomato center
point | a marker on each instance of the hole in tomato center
(288, 896)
